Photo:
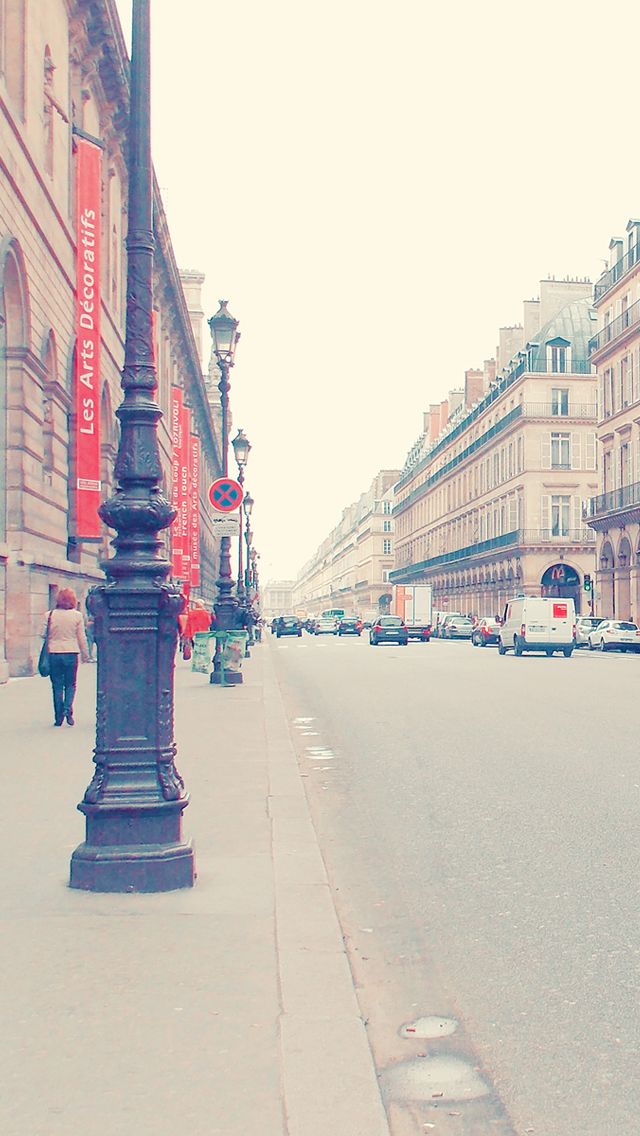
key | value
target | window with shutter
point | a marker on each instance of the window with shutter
(576, 517)
(576, 451)
(545, 454)
(590, 451)
(545, 513)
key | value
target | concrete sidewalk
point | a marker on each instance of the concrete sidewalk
(227, 1009)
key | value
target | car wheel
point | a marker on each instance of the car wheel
(591, 646)
(517, 649)
(299, 635)
(502, 650)
(603, 645)
(568, 651)
(549, 652)
(277, 634)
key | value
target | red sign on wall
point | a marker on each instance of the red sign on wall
(176, 456)
(184, 510)
(194, 516)
(87, 371)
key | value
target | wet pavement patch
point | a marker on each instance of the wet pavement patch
(440, 1078)
(432, 1026)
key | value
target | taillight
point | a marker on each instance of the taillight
(486, 630)
(574, 631)
(523, 630)
(378, 627)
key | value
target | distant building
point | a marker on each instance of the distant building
(277, 598)
(351, 567)
(490, 503)
(614, 514)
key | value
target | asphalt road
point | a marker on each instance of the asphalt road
(479, 820)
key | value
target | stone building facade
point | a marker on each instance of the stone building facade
(277, 598)
(614, 513)
(490, 504)
(60, 79)
(351, 567)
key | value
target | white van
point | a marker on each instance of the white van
(531, 623)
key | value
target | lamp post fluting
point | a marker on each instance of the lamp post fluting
(134, 803)
(225, 335)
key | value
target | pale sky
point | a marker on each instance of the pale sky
(375, 188)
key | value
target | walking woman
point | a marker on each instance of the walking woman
(66, 640)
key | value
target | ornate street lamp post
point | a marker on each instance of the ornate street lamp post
(248, 504)
(225, 335)
(241, 447)
(134, 803)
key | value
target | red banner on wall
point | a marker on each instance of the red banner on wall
(87, 372)
(185, 496)
(176, 462)
(194, 512)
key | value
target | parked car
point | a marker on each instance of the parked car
(419, 631)
(438, 620)
(349, 626)
(326, 625)
(457, 627)
(484, 632)
(288, 625)
(585, 624)
(389, 629)
(538, 623)
(615, 635)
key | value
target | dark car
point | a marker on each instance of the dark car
(348, 626)
(288, 625)
(485, 631)
(389, 629)
(419, 631)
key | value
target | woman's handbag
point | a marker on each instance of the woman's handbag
(44, 665)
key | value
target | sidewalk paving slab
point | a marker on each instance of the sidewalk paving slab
(228, 1008)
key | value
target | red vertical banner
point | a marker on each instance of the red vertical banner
(185, 497)
(194, 512)
(87, 313)
(176, 464)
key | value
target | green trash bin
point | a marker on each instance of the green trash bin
(204, 644)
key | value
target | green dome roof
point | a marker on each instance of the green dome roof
(576, 324)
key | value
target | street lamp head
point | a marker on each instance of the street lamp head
(241, 446)
(248, 504)
(225, 334)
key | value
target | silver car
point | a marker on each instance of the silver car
(585, 624)
(460, 627)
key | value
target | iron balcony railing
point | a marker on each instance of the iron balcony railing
(627, 319)
(578, 367)
(616, 272)
(515, 539)
(551, 536)
(551, 410)
(624, 498)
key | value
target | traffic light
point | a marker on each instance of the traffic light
(586, 584)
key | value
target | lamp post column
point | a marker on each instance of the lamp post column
(225, 335)
(134, 803)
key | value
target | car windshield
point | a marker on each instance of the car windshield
(587, 621)
(390, 621)
(462, 621)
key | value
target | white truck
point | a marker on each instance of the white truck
(413, 603)
(538, 623)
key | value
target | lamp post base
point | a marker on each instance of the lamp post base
(231, 678)
(158, 861)
(130, 868)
